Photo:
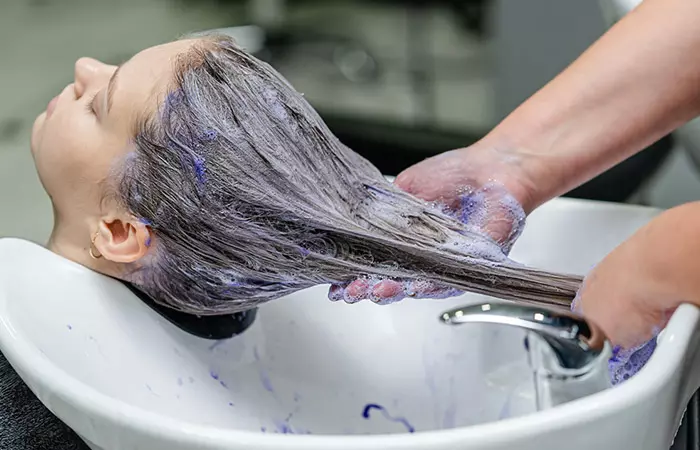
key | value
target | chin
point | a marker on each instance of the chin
(36, 131)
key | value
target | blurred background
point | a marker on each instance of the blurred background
(398, 81)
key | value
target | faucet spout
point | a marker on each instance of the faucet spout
(567, 353)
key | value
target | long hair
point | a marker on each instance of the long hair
(250, 197)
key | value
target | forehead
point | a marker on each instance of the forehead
(144, 80)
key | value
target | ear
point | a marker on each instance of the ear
(122, 240)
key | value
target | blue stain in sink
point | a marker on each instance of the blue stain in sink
(214, 375)
(213, 346)
(69, 326)
(370, 406)
(265, 380)
(284, 427)
(448, 418)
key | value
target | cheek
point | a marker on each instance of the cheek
(63, 148)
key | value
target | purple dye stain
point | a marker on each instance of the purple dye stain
(370, 406)
(147, 242)
(448, 418)
(179, 382)
(230, 404)
(255, 353)
(214, 375)
(376, 190)
(467, 205)
(145, 221)
(70, 327)
(285, 428)
(213, 346)
(208, 135)
(505, 410)
(223, 384)
(199, 169)
(265, 380)
(190, 379)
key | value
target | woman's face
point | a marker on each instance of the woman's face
(85, 133)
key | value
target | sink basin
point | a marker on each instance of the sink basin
(312, 374)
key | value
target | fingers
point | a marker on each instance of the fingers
(626, 316)
(623, 301)
(621, 318)
(379, 291)
(386, 291)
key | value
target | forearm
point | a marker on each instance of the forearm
(640, 81)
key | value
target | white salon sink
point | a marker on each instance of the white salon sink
(311, 374)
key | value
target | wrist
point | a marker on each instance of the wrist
(522, 172)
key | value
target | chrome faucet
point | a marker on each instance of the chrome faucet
(568, 354)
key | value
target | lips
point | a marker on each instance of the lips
(51, 106)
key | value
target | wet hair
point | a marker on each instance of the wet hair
(250, 197)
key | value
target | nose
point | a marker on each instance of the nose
(89, 71)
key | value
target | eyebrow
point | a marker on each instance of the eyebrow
(111, 86)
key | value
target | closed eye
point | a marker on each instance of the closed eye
(91, 105)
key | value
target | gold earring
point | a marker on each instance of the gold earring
(92, 244)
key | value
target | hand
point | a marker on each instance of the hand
(629, 293)
(482, 186)
(624, 299)
(630, 300)
(634, 291)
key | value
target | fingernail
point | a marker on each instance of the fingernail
(335, 293)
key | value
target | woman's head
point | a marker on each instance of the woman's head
(181, 167)
(85, 134)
